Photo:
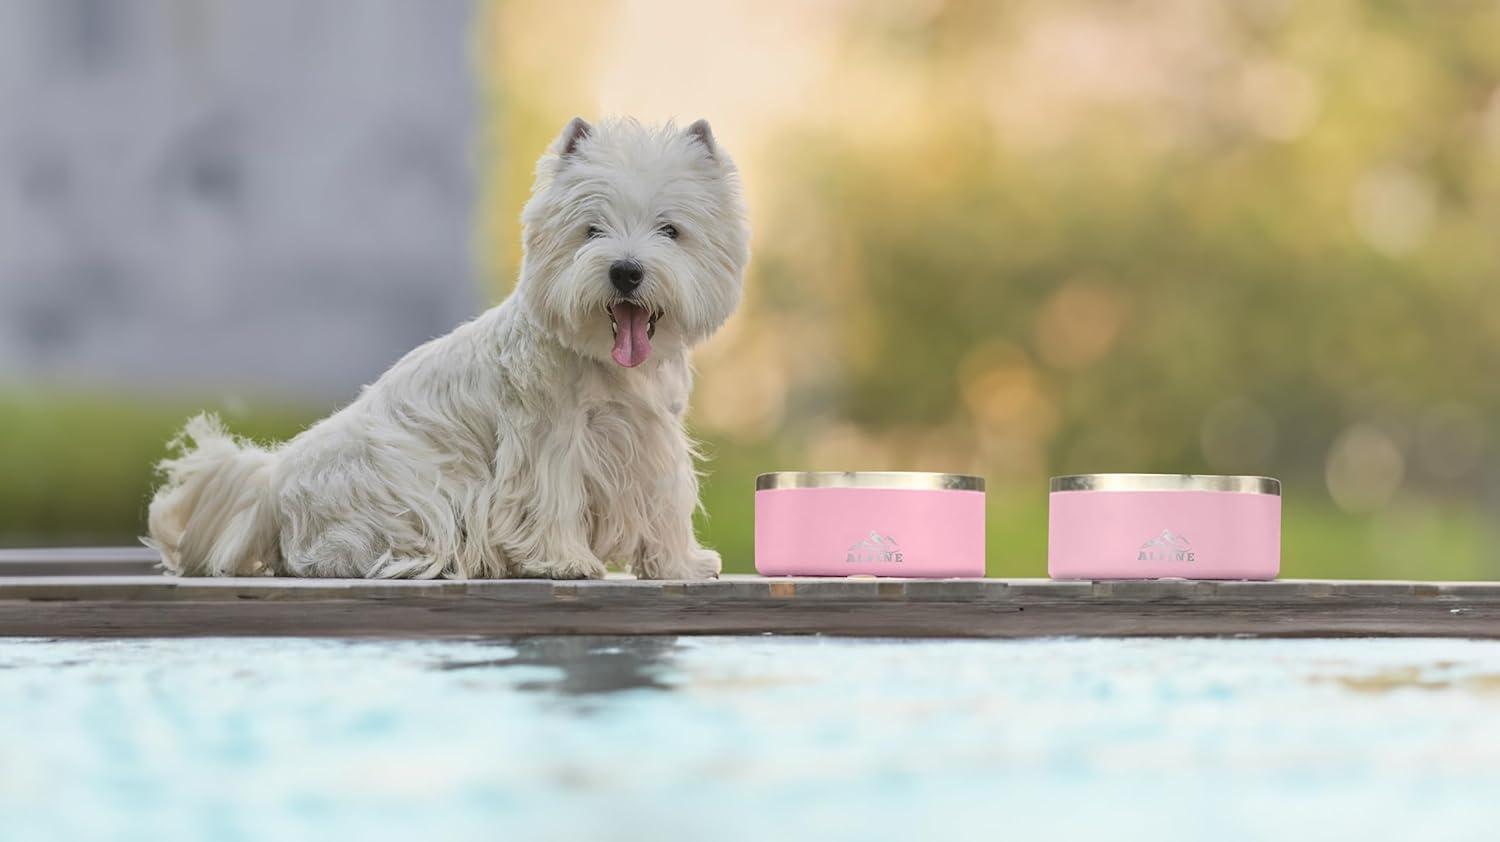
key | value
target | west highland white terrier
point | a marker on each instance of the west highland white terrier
(542, 439)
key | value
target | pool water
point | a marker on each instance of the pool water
(749, 738)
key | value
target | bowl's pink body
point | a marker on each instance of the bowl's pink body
(1163, 535)
(869, 531)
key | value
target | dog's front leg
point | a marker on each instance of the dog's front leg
(557, 546)
(669, 549)
(546, 535)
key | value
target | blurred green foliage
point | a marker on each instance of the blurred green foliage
(78, 468)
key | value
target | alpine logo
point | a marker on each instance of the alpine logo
(1168, 546)
(875, 549)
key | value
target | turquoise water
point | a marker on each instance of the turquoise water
(750, 738)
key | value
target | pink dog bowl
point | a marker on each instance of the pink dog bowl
(1164, 526)
(869, 523)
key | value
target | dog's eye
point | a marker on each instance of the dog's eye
(595, 232)
(669, 230)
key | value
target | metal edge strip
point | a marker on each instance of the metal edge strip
(902, 480)
(1167, 482)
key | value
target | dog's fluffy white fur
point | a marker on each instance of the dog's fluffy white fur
(529, 441)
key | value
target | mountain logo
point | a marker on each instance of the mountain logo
(1168, 546)
(875, 549)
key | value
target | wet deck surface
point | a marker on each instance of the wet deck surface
(113, 593)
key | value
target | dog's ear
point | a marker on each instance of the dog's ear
(701, 132)
(572, 134)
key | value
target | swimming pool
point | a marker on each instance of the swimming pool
(750, 738)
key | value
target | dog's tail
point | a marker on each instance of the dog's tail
(213, 514)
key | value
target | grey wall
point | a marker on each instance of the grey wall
(200, 195)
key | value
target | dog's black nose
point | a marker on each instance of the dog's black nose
(626, 275)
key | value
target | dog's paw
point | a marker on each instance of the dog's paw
(589, 568)
(702, 563)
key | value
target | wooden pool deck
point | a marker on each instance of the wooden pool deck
(114, 593)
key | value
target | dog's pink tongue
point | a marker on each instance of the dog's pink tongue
(632, 345)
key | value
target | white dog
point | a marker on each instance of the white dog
(543, 438)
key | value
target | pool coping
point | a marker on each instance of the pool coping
(82, 603)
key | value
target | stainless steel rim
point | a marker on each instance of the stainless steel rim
(1167, 482)
(908, 480)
